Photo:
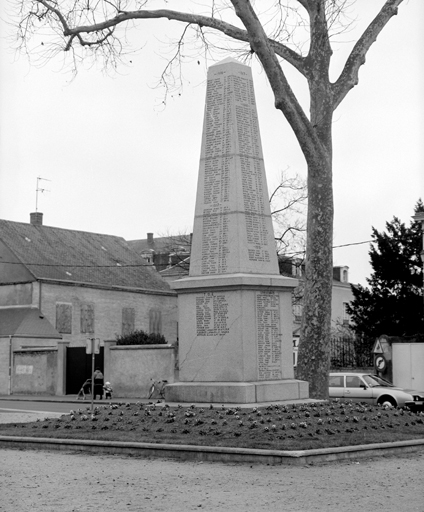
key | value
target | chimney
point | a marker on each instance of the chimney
(36, 218)
(150, 242)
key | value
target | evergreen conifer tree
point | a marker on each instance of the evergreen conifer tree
(393, 302)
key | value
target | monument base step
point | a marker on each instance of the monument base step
(237, 392)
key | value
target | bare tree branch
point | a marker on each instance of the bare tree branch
(288, 203)
(349, 76)
(193, 19)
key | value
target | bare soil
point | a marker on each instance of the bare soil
(292, 427)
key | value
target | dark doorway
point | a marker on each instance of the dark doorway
(78, 367)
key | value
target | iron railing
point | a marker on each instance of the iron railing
(351, 352)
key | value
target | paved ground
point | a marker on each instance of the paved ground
(33, 481)
(12, 416)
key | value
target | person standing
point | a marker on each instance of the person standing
(98, 383)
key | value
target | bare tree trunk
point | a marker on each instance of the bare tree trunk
(313, 361)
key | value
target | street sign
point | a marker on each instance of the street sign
(93, 346)
(378, 349)
(380, 363)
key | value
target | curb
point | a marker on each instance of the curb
(214, 453)
(54, 399)
(156, 401)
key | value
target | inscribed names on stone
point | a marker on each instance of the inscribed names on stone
(268, 335)
(233, 175)
(212, 314)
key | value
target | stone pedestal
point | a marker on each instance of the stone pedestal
(235, 310)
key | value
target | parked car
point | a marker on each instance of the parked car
(365, 387)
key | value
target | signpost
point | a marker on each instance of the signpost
(93, 348)
(382, 351)
(380, 363)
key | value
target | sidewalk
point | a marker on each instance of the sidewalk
(72, 400)
(13, 415)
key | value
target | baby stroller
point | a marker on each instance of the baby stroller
(85, 390)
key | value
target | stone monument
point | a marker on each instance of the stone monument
(235, 309)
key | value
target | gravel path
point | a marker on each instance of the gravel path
(32, 481)
(11, 416)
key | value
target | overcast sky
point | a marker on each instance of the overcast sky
(120, 164)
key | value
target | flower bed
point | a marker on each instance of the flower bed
(282, 427)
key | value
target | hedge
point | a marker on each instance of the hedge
(140, 337)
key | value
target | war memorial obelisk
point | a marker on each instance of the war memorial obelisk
(235, 309)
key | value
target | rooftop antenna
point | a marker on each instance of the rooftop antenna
(39, 189)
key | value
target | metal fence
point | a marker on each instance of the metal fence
(347, 352)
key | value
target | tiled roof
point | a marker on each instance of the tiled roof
(26, 322)
(78, 256)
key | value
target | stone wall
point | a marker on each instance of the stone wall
(34, 371)
(19, 345)
(133, 366)
(4, 365)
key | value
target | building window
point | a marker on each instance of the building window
(128, 321)
(155, 321)
(148, 256)
(64, 318)
(346, 316)
(297, 312)
(295, 351)
(87, 318)
(345, 276)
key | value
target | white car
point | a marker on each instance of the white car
(365, 387)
